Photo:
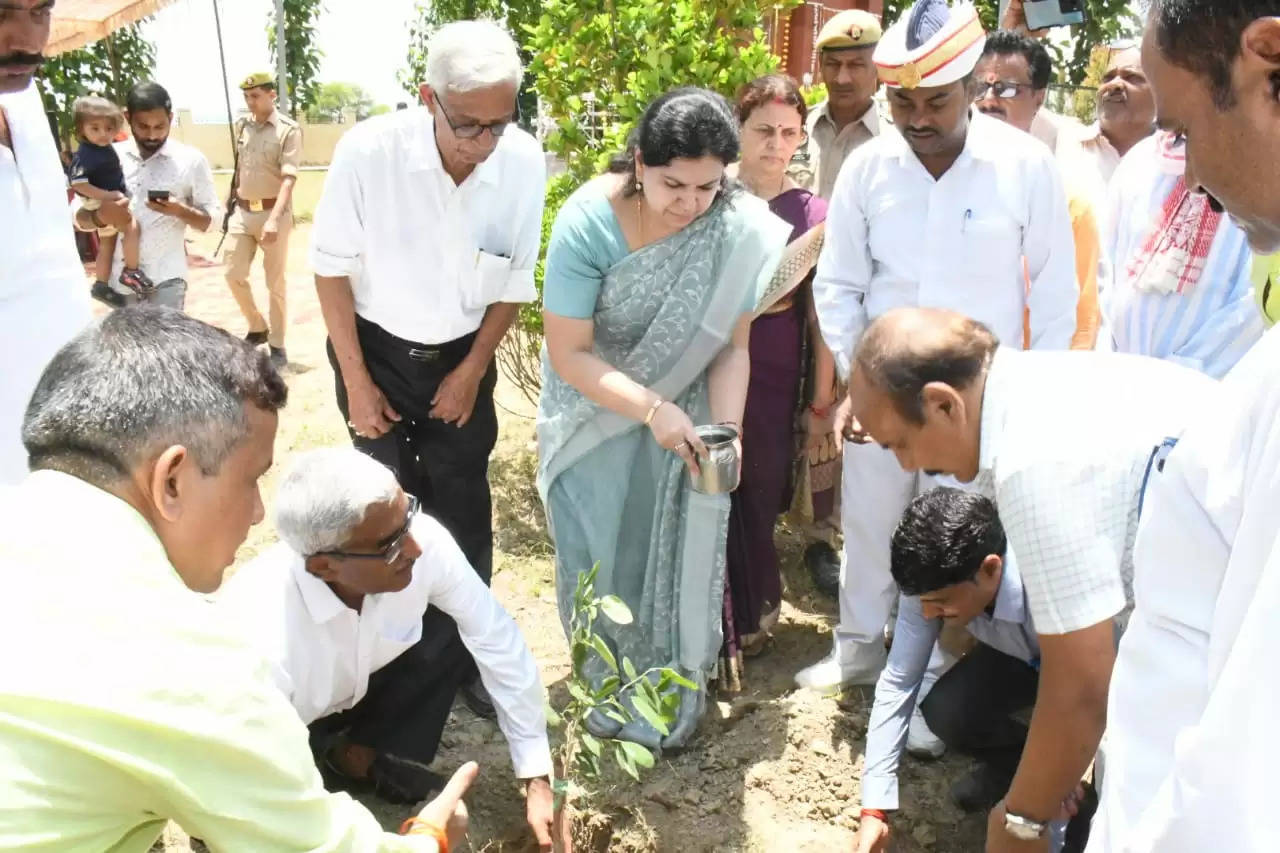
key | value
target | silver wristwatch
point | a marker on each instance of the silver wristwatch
(1024, 828)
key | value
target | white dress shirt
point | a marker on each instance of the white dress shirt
(1191, 751)
(44, 297)
(1066, 440)
(426, 256)
(1009, 629)
(185, 173)
(323, 652)
(896, 237)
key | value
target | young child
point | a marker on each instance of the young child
(96, 175)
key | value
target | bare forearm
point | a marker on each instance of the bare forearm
(284, 196)
(1066, 727)
(338, 306)
(498, 318)
(605, 385)
(824, 365)
(194, 217)
(727, 384)
(87, 190)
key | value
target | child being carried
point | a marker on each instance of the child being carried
(98, 178)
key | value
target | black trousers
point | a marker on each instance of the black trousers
(970, 707)
(406, 706)
(445, 466)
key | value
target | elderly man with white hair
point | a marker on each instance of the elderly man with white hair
(424, 245)
(336, 609)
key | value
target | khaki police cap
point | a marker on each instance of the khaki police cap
(259, 78)
(850, 28)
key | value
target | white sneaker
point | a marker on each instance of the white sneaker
(921, 741)
(847, 664)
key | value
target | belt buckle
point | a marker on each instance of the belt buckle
(255, 206)
(423, 354)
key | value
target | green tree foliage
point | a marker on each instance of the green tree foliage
(1106, 21)
(625, 53)
(334, 99)
(596, 65)
(108, 68)
(431, 14)
(301, 55)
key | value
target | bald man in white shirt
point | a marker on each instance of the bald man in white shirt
(337, 611)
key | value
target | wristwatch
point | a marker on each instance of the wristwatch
(1024, 828)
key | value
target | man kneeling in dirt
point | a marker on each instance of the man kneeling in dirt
(125, 699)
(950, 558)
(337, 609)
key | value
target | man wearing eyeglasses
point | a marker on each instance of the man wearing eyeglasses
(336, 609)
(1012, 80)
(424, 246)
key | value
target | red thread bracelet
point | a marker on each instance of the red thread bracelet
(877, 814)
(418, 826)
(822, 413)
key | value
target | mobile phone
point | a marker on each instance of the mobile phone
(157, 195)
(1042, 14)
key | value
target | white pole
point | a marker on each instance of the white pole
(282, 74)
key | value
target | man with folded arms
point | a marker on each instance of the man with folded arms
(126, 699)
(337, 610)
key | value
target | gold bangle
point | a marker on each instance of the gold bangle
(653, 410)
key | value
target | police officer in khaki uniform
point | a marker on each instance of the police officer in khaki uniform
(269, 146)
(849, 116)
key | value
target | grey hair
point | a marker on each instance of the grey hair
(464, 56)
(325, 494)
(141, 380)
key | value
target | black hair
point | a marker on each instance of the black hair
(1009, 42)
(1203, 37)
(684, 123)
(144, 97)
(141, 380)
(942, 540)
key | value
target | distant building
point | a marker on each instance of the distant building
(792, 35)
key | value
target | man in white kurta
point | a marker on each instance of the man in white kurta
(1181, 288)
(899, 235)
(1191, 752)
(44, 299)
(337, 608)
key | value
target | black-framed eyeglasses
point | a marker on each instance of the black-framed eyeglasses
(472, 131)
(1005, 89)
(393, 549)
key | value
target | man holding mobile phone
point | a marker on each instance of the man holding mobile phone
(171, 187)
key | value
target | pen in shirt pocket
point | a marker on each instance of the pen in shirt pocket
(964, 223)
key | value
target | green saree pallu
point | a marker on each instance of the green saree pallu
(616, 498)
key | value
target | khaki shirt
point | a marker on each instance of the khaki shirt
(268, 152)
(819, 160)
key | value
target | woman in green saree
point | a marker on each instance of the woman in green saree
(652, 273)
